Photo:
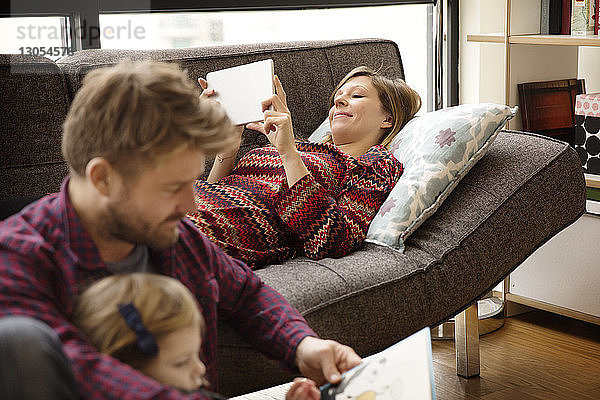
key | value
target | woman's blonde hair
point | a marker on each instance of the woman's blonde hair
(164, 304)
(133, 112)
(396, 97)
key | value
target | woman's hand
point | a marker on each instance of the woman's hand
(206, 93)
(278, 129)
(303, 389)
(224, 162)
(277, 125)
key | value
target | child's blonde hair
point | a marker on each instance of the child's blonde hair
(164, 304)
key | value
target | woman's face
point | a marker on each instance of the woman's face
(177, 363)
(357, 115)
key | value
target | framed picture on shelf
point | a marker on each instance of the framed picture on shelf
(548, 107)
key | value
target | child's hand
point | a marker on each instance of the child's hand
(303, 389)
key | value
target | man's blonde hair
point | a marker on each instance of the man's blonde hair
(134, 112)
(164, 304)
(396, 97)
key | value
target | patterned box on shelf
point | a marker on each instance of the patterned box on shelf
(587, 137)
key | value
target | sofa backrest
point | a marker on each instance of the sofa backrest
(34, 104)
(36, 94)
(308, 71)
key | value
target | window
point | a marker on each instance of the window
(138, 24)
(44, 36)
(404, 24)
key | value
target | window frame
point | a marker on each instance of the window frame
(85, 14)
(117, 6)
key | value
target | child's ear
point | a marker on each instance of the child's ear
(387, 123)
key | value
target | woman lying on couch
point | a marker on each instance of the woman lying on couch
(312, 199)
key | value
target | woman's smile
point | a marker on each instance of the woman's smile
(341, 114)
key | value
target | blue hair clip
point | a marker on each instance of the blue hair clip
(145, 340)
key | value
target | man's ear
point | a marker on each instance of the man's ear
(100, 174)
(387, 123)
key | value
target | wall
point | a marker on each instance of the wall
(481, 72)
(589, 68)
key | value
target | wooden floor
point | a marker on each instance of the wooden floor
(537, 355)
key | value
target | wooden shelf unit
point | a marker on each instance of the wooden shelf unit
(551, 279)
(567, 312)
(524, 48)
(552, 40)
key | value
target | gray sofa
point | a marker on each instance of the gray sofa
(523, 191)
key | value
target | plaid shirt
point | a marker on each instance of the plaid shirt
(47, 259)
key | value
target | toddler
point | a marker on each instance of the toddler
(133, 316)
(153, 323)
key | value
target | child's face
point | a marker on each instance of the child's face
(177, 363)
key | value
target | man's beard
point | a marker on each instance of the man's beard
(130, 227)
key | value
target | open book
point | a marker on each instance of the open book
(403, 371)
(241, 89)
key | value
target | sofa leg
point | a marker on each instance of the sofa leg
(466, 341)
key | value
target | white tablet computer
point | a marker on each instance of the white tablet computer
(241, 89)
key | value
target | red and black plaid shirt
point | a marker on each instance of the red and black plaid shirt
(47, 259)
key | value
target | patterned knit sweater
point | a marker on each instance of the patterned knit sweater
(254, 216)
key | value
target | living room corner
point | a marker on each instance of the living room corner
(484, 210)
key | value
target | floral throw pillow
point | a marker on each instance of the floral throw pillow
(437, 150)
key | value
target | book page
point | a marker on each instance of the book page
(402, 371)
(241, 89)
(272, 393)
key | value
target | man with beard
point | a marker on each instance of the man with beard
(135, 140)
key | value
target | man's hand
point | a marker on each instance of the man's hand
(324, 360)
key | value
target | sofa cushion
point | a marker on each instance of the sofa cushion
(321, 132)
(437, 149)
(308, 70)
(34, 105)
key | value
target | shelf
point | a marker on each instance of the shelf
(561, 275)
(592, 180)
(486, 38)
(556, 40)
(526, 301)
